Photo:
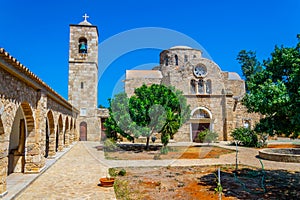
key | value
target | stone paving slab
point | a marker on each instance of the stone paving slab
(75, 176)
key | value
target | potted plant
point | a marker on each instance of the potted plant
(107, 181)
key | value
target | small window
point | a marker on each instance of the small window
(82, 45)
(193, 86)
(81, 85)
(208, 87)
(186, 58)
(82, 111)
(176, 60)
(201, 87)
(166, 60)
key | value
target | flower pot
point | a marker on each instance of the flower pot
(107, 182)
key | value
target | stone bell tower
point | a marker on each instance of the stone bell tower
(83, 77)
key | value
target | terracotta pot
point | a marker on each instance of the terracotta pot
(107, 182)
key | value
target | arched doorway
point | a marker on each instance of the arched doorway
(60, 134)
(66, 133)
(57, 138)
(23, 126)
(200, 120)
(83, 131)
(47, 140)
(50, 134)
(71, 138)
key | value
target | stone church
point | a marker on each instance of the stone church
(213, 95)
(36, 122)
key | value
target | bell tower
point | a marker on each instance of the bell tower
(83, 77)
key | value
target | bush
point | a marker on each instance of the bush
(110, 145)
(245, 137)
(207, 136)
(112, 172)
(122, 172)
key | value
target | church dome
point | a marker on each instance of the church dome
(181, 47)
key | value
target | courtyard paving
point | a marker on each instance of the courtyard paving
(76, 174)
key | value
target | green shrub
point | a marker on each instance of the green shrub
(112, 172)
(207, 136)
(110, 145)
(164, 150)
(122, 172)
(245, 137)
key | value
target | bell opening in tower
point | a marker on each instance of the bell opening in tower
(82, 45)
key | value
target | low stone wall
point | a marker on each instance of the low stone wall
(281, 155)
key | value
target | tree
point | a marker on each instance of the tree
(274, 90)
(250, 65)
(156, 108)
(118, 117)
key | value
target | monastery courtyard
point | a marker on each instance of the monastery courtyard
(75, 172)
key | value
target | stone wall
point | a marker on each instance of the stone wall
(21, 89)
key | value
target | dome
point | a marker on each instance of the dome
(181, 47)
(233, 76)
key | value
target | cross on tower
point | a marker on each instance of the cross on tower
(85, 16)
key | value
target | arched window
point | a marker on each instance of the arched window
(193, 86)
(176, 60)
(201, 87)
(166, 60)
(208, 87)
(82, 45)
(200, 114)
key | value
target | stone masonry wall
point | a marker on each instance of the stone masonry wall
(24, 90)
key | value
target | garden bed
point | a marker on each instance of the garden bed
(175, 152)
(186, 183)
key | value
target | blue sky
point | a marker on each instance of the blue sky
(37, 32)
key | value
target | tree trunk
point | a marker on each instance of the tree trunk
(147, 143)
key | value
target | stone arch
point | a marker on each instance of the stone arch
(201, 119)
(50, 135)
(22, 135)
(66, 133)
(60, 125)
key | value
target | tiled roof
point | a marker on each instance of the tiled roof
(25, 71)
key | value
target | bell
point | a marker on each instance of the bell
(82, 48)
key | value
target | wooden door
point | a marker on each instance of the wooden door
(197, 128)
(83, 131)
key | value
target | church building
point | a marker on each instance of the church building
(213, 95)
